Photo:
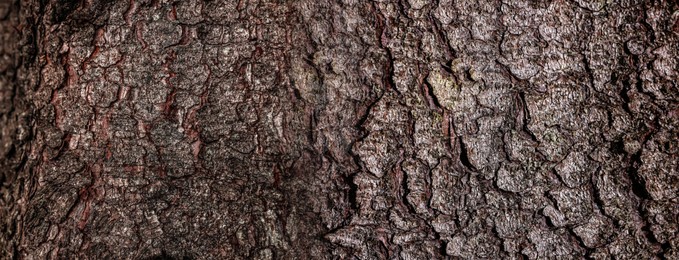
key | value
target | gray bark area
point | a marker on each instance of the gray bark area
(318, 129)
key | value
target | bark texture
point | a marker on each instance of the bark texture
(319, 129)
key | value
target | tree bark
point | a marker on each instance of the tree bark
(318, 129)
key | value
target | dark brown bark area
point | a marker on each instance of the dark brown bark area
(412, 129)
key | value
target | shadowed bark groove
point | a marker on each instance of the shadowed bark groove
(317, 129)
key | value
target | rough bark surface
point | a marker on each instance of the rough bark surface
(318, 129)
